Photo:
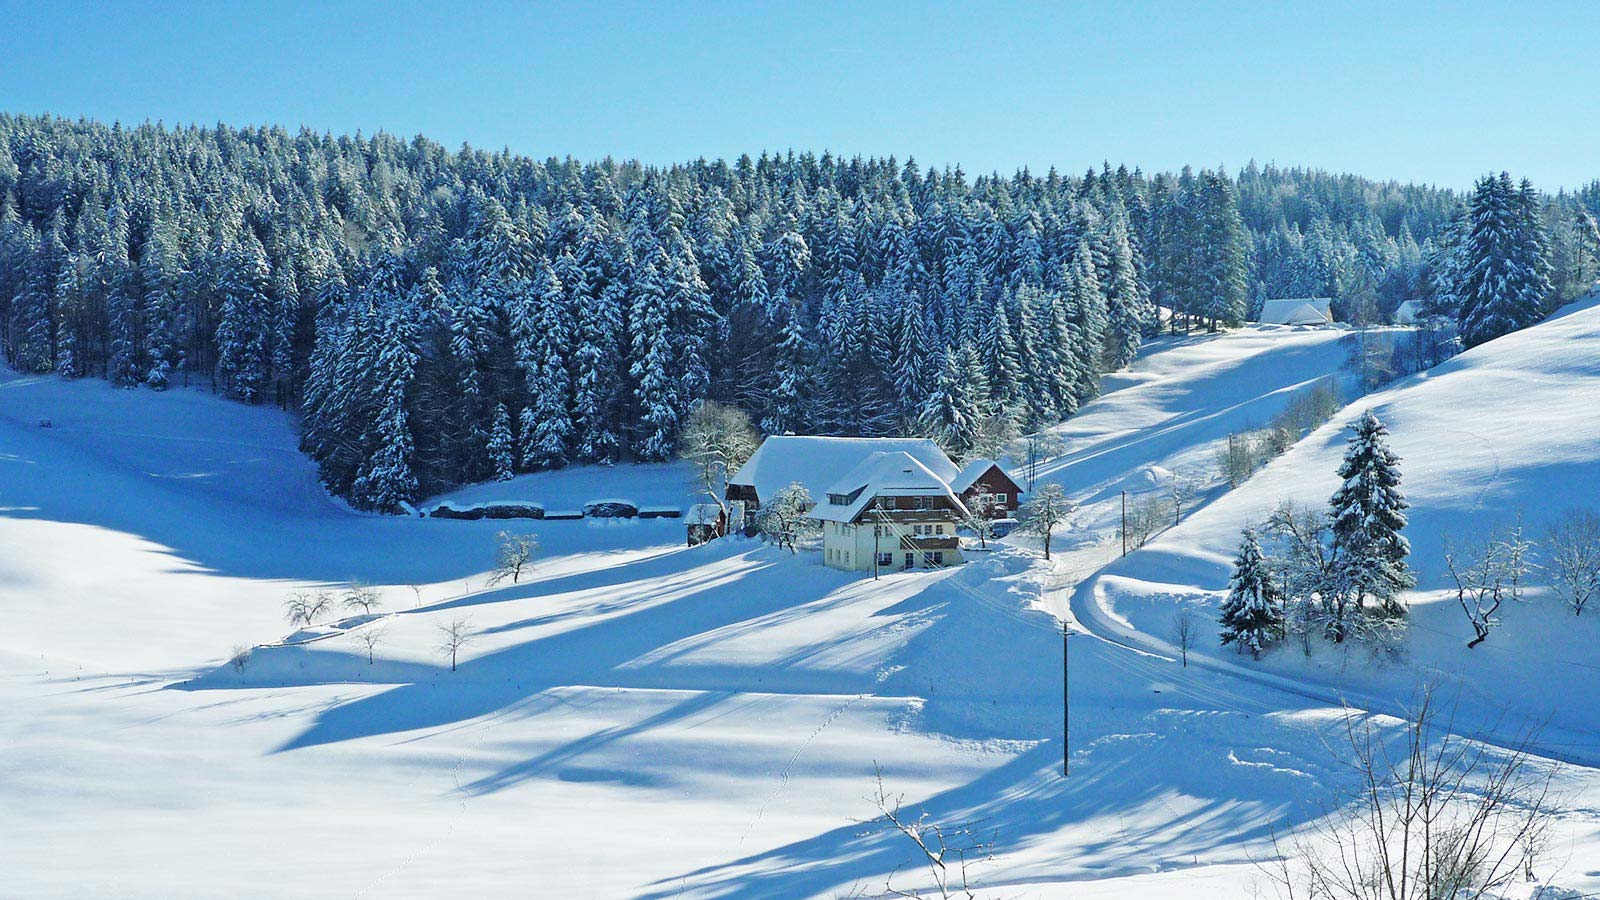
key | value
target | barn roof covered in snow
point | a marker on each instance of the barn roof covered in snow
(896, 474)
(972, 471)
(1297, 311)
(816, 462)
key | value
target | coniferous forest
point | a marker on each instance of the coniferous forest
(442, 316)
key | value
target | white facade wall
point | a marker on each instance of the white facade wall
(850, 547)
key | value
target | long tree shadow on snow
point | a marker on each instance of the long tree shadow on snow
(1154, 786)
(724, 591)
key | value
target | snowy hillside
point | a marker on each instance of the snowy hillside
(633, 718)
(1170, 411)
(1503, 431)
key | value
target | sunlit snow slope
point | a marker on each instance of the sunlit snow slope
(1509, 429)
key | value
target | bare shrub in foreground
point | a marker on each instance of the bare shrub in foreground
(1438, 817)
(949, 853)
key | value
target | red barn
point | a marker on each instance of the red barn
(984, 477)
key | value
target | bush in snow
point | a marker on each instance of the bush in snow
(1236, 461)
(239, 658)
(1572, 558)
(1146, 516)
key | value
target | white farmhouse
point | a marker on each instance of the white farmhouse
(1297, 311)
(890, 512)
(815, 462)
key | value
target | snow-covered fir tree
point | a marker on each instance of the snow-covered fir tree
(502, 446)
(815, 293)
(1505, 276)
(1252, 615)
(1367, 514)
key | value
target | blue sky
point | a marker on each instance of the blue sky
(1419, 92)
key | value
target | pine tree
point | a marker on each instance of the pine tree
(243, 324)
(652, 366)
(954, 412)
(1506, 276)
(1128, 310)
(501, 448)
(385, 479)
(550, 388)
(1001, 360)
(1252, 615)
(32, 310)
(786, 413)
(1367, 514)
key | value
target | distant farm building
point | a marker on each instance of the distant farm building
(816, 462)
(704, 522)
(883, 503)
(982, 484)
(1297, 311)
(890, 512)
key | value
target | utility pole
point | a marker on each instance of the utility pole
(877, 531)
(1124, 523)
(1066, 707)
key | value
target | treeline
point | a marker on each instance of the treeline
(441, 317)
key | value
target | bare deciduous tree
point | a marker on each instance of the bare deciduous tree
(362, 596)
(1439, 817)
(1181, 492)
(784, 520)
(1184, 633)
(1145, 517)
(1034, 449)
(239, 658)
(995, 432)
(1047, 508)
(1236, 460)
(949, 853)
(369, 638)
(454, 636)
(306, 607)
(1572, 558)
(514, 554)
(1487, 573)
(717, 439)
(982, 510)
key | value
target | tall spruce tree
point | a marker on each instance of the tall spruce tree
(1505, 276)
(1367, 514)
(1252, 617)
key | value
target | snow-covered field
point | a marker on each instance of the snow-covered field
(638, 719)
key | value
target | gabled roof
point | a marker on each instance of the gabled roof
(1297, 311)
(816, 462)
(703, 514)
(969, 475)
(896, 474)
